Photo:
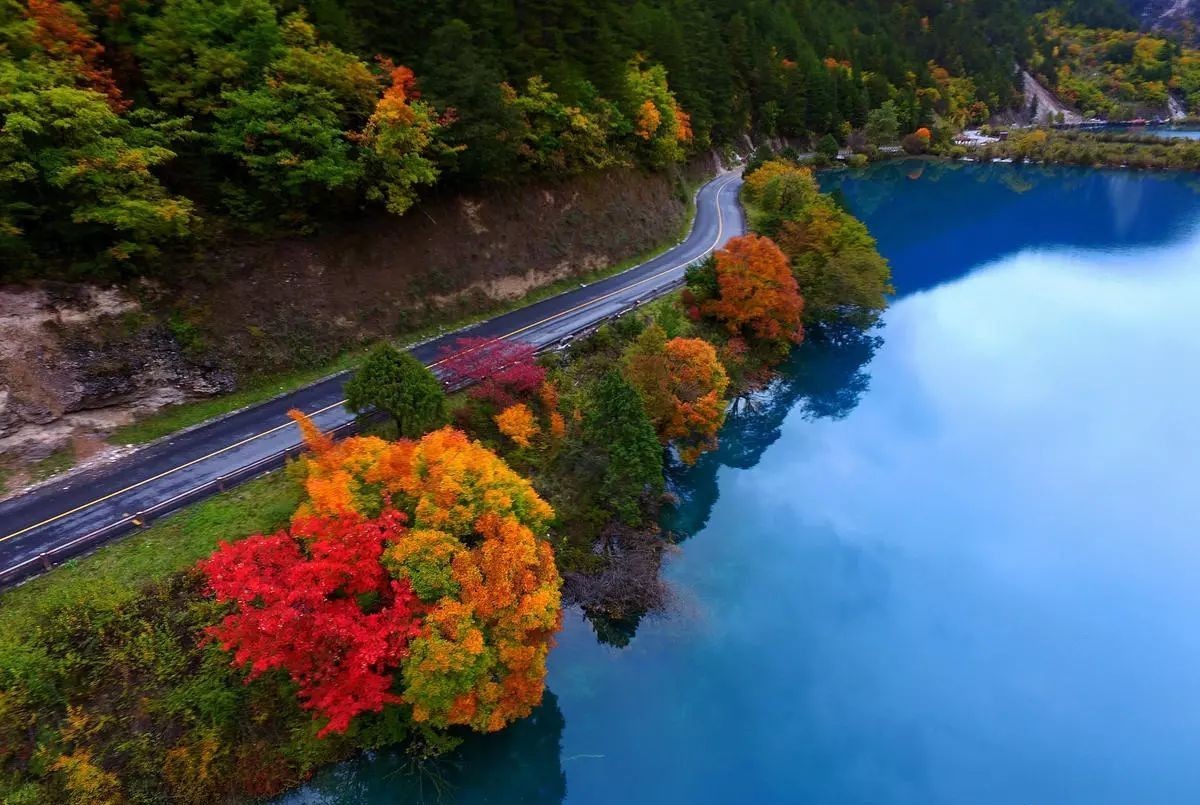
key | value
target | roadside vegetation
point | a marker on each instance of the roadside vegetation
(387, 590)
(255, 390)
(1096, 149)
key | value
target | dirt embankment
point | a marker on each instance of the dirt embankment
(79, 360)
(270, 306)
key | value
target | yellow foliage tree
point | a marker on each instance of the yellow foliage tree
(517, 423)
(473, 554)
(682, 384)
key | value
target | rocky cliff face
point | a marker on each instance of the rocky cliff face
(1173, 16)
(77, 359)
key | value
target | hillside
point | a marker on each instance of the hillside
(147, 129)
(1113, 73)
(78, 360)
(1179, 17)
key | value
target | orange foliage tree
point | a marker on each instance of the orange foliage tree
(682, 384)
(517, 423)
(473, 555)
(63, 35)
(548, 396)
(756, 292)
(648, 119)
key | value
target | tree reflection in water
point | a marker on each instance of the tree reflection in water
(526, 755)
(824, 378)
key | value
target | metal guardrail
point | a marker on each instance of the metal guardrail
(82, 545)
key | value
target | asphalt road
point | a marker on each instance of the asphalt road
(60, 520)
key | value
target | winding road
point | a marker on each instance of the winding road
(61, 520)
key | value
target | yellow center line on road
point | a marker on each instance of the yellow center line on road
(289, 423)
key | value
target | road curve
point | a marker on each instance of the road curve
(60, 520)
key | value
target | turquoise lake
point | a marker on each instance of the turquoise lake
(955, 561)
(1169, 132)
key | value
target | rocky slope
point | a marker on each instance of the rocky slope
(1173, 16)
(77, 359)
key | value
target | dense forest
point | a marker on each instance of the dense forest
(137, 129)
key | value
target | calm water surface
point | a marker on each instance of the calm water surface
(956, 563)
(1170, 132)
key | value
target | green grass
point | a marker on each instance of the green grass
(176, 418)
(58, 461)
(174, 543)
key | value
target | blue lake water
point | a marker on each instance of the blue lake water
(1170, 132)
(953, 563)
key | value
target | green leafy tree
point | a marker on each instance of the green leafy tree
(292, 133)
(778, 191)
(196, 50)
(465, 80)
(840, 271)
(319, 64)
(77, 180)
(290, 140)
(821, 112)
(558, 138)
(827, 146)
(883, 124)
(617, 424)
(402, 387)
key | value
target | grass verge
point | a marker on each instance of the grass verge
(14, 474)
(170, 545)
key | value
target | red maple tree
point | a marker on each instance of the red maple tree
(63, 36)
(317, 603)
(499, 370)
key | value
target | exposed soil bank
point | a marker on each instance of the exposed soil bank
(77, 361)
(271, 306)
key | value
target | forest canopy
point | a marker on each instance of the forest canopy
(135, 129)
